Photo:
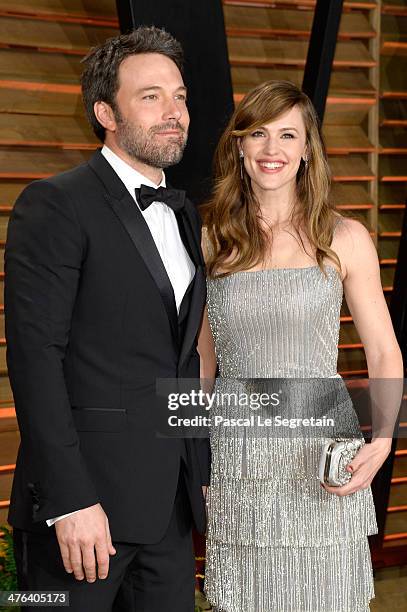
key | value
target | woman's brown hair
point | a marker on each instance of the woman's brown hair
(236, 239)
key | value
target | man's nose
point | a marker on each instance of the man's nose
(172, 110)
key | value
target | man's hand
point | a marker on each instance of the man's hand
(84, 540)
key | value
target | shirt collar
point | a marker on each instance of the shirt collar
(128, 175)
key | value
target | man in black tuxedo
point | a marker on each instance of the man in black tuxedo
(104, 294)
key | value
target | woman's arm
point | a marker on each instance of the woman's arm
(206, 349)
(206, 345)
(366, 302)
(367, 305)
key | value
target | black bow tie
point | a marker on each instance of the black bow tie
(174, 198)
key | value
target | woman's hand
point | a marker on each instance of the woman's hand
(365, 465)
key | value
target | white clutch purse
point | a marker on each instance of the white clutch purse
(336, 455)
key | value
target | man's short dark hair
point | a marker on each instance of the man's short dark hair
(100, 78)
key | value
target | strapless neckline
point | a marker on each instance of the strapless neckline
(274, 270)
(276, 322)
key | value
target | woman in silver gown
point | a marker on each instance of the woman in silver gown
(279, 258)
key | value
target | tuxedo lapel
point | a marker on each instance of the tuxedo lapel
(197, 304)
(198, 295)
(188, 236)
(136, 227)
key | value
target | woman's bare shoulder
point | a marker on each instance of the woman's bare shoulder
(348, 230)
(352, 243)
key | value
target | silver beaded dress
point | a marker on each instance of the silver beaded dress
(276, 540)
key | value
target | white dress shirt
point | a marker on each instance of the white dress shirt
(163, 226)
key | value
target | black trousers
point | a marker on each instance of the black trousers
(142, 577)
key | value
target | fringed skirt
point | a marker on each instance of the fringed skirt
(334, 578)
(277, 541)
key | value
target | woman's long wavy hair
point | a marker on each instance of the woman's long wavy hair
(236, 240)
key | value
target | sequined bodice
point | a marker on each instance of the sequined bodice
(276, 322)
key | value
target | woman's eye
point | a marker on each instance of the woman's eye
(288, 135)
(257, 133)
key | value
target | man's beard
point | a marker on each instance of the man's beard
(140, 144)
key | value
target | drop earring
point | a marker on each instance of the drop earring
(241, 158)
(305, 161)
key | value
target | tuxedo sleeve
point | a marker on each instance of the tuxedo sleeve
(203, 451)
(202, 445)
(43, 257)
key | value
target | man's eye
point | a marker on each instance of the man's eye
(181, 97)
(150, 97)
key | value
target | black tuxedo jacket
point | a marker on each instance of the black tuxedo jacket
(91, 322)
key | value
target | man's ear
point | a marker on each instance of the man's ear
(104, 114)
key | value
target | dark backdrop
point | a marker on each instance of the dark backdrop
(199, 27)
